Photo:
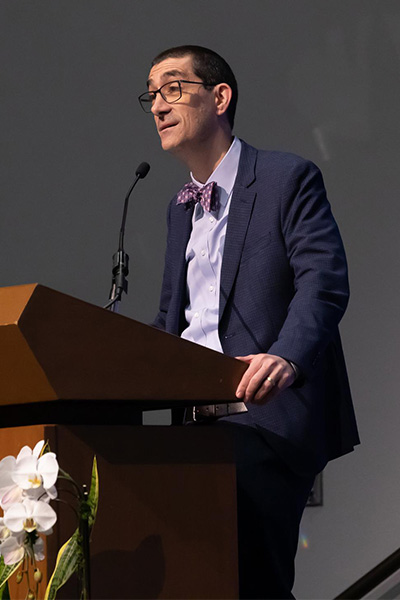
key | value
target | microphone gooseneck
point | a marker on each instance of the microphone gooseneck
(120, 268)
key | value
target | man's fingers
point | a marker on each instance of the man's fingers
(265, 377)
(256, 373)
(261, 380)
(268, 386)
(244, 382)
(246, 359)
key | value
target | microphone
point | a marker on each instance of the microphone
(120, 269)
(142, 170)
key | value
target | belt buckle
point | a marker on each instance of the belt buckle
(211, 412)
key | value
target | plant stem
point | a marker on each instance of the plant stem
(84, 531)
(65, 475)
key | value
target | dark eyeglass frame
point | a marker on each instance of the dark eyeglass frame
(147, 105)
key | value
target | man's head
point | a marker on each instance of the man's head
(207, 66)
(205, 97)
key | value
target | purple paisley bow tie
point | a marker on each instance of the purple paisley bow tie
(207, 195)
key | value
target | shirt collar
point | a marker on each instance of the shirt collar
(225, 173)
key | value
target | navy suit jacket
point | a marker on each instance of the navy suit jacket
(283, 290)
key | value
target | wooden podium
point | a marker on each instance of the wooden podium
(81, 376)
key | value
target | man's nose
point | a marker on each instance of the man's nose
(160, 106)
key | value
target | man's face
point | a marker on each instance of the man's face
(190, 121)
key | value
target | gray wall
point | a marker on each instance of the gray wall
(320, 78)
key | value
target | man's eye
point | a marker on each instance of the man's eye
(173, 88)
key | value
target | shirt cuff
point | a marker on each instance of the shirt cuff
(295, 369)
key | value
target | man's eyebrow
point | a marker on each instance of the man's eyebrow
(172, 73)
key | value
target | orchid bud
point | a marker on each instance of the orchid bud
(37, 576)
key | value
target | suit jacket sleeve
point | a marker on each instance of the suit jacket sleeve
(316, 255)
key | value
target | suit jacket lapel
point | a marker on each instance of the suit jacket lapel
(183, 227)
(238, 221)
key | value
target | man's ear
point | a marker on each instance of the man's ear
(223, 96)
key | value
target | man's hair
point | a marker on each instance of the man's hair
(210, 67)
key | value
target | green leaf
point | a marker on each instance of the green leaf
(45, 449)
(4, 592)
(5, 573)
(69, 557)
(68, 560)
(93, 498)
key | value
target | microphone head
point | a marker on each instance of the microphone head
(142, 170)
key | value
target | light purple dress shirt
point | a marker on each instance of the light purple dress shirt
(204, 254)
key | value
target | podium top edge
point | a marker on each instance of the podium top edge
(13, 300)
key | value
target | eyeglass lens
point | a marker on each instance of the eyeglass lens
(171, 92)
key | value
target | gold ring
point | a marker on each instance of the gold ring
(270, 379)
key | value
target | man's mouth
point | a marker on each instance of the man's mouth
(165, 126)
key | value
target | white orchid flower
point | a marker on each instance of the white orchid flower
(29, 475)
(27, 451)
(32, 472)
(38, 549)
(10, 547)
(9, 491)
(15, 547)
(4, 531)
(40, 494)
(27, 484)
(7, 466)
(30, 515)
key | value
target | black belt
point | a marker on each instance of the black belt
(215, 411)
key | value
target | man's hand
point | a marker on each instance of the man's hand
(266, 376)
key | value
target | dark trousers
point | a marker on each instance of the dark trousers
(271, 499)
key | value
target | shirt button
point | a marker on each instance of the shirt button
(196, 315)
(211, 288)
(203, 253)
(212, 219)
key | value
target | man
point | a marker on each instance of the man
(255, 268)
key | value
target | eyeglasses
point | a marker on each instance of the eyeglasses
(171, 92)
